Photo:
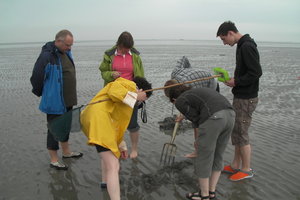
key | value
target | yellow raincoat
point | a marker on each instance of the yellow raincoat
(105, 123)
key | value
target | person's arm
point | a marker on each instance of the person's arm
(125, 91)
(230, 83)
(123, 149)
(187, 109)
(179, 118)
(105, 68)
(38, 74)
(138, 66)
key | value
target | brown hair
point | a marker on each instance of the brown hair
(169, 82)
(125, 40)
(226, 27)
(176, 91)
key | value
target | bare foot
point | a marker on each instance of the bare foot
(133, 154)
(191, 155)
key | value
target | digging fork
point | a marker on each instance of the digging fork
(169, 149)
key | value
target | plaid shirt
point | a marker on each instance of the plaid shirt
(184, 72)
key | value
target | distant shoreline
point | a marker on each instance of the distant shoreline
(140, 42)
(89, 41)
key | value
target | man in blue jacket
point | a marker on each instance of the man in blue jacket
(54, 79)
(245, 86)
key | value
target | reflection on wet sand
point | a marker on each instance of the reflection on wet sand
(61, 184)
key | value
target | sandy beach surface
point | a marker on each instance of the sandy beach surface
(275, 132)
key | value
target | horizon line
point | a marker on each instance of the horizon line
(98, 40)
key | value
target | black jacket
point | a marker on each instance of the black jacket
(248, 69)
(198, 104)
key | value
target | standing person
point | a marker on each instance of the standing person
(123, 60)
(245, 86)
(105, 123)
(184, 72)
(54, 79)
(214, 116)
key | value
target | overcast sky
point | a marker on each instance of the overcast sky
(40, 20)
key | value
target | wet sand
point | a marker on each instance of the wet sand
(275, 130)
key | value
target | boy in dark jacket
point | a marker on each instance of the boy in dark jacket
(245, 86)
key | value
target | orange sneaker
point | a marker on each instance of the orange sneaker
(228, 169)
(240, 175)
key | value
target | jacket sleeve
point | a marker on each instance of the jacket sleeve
(124, 91)
(139, 69)
(251, 60)
(189, 111)
(38, 73)
(105, 68)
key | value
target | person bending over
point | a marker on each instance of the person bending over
(212, 113)
(184, 72)
(105, 123)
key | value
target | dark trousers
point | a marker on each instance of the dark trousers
(52, 144)
(133, 124)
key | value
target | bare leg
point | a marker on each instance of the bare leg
(214, 178)
(134, 137)
(204, 185)
(65, 148)
(103, 180)
(237, 157)
(53, 155)
(111, 166)
(209, 184)
(196, 134)
(246, 157)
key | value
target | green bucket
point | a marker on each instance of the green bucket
(224, 74)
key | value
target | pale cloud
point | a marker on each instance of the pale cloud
(265, 20)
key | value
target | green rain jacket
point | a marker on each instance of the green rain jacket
(106, 65)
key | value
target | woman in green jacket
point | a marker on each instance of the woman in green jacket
(123, 60)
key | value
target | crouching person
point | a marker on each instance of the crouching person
(105, 123)
(214, 116)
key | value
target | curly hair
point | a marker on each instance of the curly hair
(142, 83)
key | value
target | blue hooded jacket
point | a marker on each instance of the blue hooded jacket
(47, 80)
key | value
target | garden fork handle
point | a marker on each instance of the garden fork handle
(174, 132)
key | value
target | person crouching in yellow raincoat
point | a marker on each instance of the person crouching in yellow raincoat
(105, 123)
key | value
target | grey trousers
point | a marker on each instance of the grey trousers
(212, 140)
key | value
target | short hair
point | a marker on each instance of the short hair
(169, 82)
(142, 83)
(176, 91)
(125, 40)
(226, 27)
(61, 35)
